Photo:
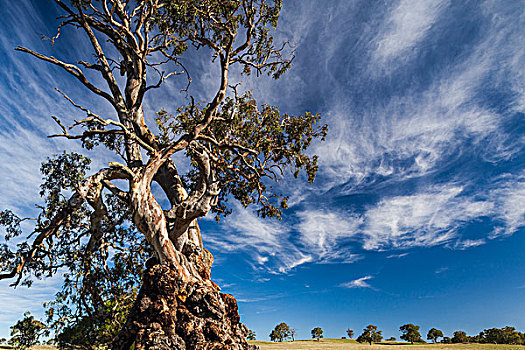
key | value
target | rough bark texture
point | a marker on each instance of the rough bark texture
(170, 313)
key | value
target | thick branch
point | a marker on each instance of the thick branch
(73, 204)
(71, 69)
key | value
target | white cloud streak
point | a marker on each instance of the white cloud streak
(358, 283)
(421, 220)
(322, 232)
(434, 215)
(406, 27)
(266, 241)
(273, 246)
(418, 132)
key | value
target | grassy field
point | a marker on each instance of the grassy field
(337, 344)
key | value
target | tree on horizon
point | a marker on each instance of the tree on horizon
(370, 335)
(350, 333)
(410, 333)
(317, 333)
(280, 333)
(433, 334)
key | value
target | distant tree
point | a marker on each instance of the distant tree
(433, 334)
(350, 333)
(274, 336)
(480, 338)
(280, 332)
(410, 333)
(317, 333)
(26, 332)
(509, 335)
(459, 337)
(391, 339)
(505, 335)
(446, 340)
(251, 335)
(370, 335)
(292, 333)
(3, 341)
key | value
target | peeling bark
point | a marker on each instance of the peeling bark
(173, 314)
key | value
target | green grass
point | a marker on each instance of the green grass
(350, 344)
(339, 344)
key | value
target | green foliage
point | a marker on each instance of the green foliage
(251, 335)
(459, 337)
(370, 335)
(210, 23)
(350, 333)
(98, 329)
(317, 333)
(280, 332)
(446, 340)
(410, 333)
(62, 172)
(102, 280)
(250, 147)
(100, 288)
(26, 332)
(505, 335)
(433, 334)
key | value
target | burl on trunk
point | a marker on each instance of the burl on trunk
(170, 313)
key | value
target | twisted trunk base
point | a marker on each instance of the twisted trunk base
(177, 315)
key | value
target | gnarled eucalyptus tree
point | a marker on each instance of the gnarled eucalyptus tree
(236, 147)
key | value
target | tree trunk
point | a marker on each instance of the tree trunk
(178, 306)
(172, 313)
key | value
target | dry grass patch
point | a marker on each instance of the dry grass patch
(339, 344)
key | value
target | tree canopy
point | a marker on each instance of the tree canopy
(410, 333)
(26, 332)
(280, 332)
(350, 333)
(459, 337)
(370, 335)
(433, 334)
(317, 333)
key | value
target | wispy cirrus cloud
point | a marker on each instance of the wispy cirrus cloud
(423, 126)
(267, 242)
(397, 256)
(321, 232)
(436, 216)
(358, 283)
(406, 27)
(280, 247)
(433, 215)
(420, 220)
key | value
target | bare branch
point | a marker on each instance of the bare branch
(106, 122)
(71, 69)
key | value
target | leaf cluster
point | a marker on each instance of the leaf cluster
(410, 333)
(26, 332)
(317, 333)
(370, 335)
(214, 24)
(280, 332)
(250, 147)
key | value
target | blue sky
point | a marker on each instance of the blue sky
(418, 212)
